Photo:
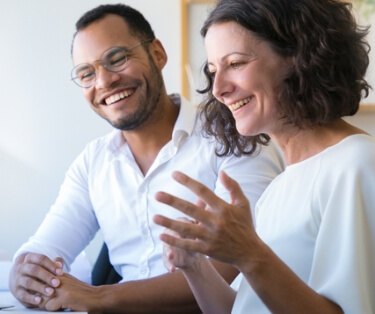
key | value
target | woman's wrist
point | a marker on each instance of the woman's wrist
(197, 266)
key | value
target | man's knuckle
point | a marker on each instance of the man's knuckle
(27, 282)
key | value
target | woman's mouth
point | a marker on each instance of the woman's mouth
(240, 103)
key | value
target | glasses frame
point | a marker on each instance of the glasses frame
(102, 62)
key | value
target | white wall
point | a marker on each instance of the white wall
(364, 119)
(45, 121)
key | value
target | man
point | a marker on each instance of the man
(111, 185)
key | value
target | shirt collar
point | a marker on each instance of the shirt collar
(186, 119)
(183, 127)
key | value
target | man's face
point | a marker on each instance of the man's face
(129, 98)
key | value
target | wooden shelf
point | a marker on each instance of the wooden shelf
(185, 19)
(367, 108)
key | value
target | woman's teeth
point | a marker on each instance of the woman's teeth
(239, 104)
(110, 100)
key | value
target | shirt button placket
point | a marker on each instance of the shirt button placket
(144, 270)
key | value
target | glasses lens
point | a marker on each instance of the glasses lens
(83, 75)
(114, 59)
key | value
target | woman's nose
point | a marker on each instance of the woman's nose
(221, 85)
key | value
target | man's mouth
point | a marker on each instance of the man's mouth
(240, 103)
(116, 97)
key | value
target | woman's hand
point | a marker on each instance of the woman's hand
(223, 231)
(174, 257)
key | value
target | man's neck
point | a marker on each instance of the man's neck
(146, 142)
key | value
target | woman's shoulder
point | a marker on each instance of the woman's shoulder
(353, 146)
(353, 157)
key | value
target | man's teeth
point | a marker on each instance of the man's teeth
(239, 104)
(110, 100)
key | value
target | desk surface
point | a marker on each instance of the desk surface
(6, 298)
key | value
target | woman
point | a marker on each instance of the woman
(291, 70)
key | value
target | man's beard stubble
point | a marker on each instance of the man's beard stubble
(148, 109)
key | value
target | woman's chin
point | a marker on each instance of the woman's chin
(244, 130)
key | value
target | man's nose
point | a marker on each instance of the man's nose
(104, 77)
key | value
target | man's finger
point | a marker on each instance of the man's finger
(44, 262)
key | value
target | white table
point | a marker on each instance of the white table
(7, 298)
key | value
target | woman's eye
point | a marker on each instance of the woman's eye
(212, 74)
(236, 65)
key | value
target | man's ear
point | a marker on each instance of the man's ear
(158, 53)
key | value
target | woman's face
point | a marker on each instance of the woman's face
(246, 77)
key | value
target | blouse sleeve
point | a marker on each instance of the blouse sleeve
(343, 265)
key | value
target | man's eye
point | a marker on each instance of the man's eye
(117, 60)
(86, 76)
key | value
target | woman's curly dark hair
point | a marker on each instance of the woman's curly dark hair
(330, 60)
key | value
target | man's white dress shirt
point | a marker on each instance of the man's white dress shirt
(105, 189)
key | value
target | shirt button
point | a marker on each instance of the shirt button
(144, 230)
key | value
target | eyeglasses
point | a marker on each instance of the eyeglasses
(114, 60)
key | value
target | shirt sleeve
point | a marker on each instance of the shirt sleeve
(344, 258)
(71, 222)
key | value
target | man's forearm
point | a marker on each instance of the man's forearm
(168, 293)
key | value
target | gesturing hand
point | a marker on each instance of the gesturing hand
(224, 232)
(174, 257)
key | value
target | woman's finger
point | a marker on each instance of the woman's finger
(184, 243)
(184, 229)
(238, 198)
(183, 206)
(205, 194)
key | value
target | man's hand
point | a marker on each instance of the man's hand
(34, 278)
(73, 294)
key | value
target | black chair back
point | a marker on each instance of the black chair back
(103, 272)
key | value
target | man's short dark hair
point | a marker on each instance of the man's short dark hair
(138, 25)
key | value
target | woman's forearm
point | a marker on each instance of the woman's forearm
(213, 294)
